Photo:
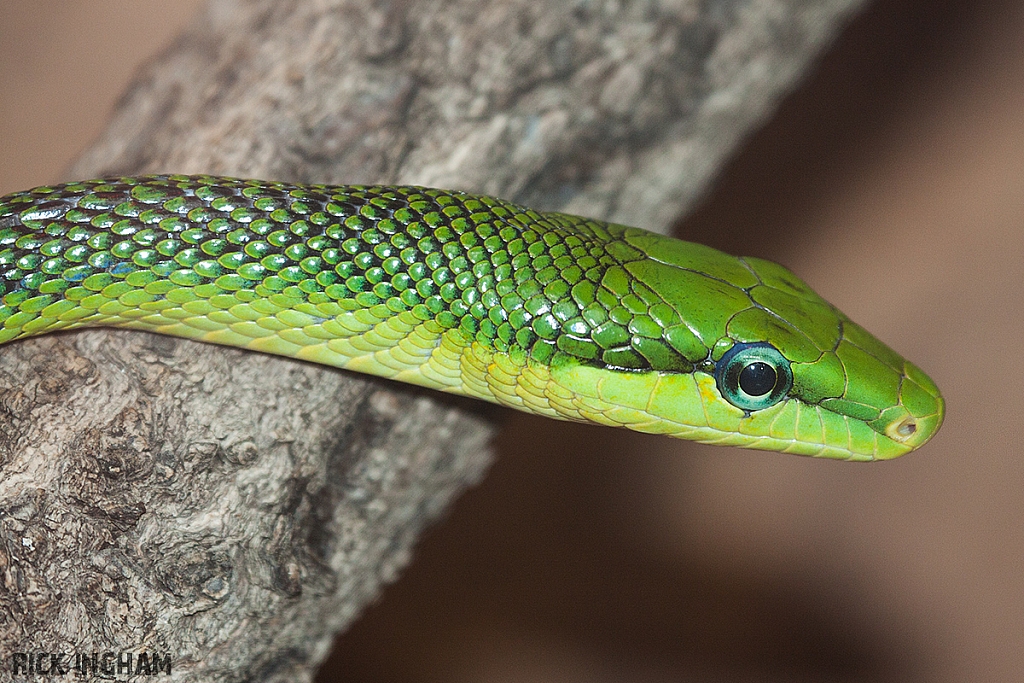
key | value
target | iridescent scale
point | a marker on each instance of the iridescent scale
(175, 252)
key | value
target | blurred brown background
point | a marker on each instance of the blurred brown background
(893, 182)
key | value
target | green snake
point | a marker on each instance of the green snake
(550, 313)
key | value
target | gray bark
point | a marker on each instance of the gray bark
(233, 510)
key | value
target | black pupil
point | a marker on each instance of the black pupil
(757, 379)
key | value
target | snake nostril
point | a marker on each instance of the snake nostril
(902, 429)
(907, 427)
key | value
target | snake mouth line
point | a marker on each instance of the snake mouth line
(799, 446)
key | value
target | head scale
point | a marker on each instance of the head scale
(757, 360)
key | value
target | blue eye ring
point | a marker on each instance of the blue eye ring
(753, 376)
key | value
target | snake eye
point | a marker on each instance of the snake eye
(753, 376)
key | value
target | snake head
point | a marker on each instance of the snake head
(757, 360)
(871, 403)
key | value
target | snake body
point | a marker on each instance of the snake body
(551, 313)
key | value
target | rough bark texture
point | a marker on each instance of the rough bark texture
(235, 510)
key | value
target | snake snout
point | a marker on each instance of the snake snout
(924, 409)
